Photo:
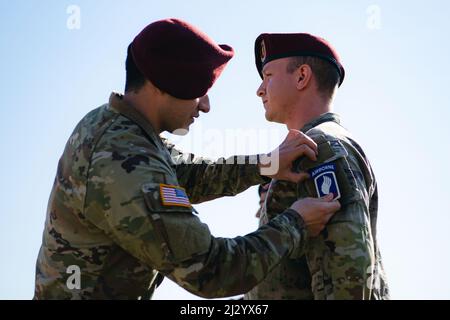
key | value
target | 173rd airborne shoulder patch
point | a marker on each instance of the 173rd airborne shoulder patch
(324, 177)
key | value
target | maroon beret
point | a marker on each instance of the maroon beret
(178, 58)
(272, 46)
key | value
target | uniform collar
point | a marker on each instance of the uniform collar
(116, 102)
(326, 117)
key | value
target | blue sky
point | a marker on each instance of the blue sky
(394, 100)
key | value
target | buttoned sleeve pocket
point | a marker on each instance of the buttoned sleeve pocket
(332, 172)
(181, 233)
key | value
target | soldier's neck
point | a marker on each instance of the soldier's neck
(305, 112)
(142, 104)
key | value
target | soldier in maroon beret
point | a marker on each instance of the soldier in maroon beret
(175, 58)
(300, 75)
(120, 215)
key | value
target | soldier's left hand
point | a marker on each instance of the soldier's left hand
(278, 163)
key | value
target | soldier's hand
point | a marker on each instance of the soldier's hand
(316, 212)
(278, 163)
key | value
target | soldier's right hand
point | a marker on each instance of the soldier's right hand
(316, 212)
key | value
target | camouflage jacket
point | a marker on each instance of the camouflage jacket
(118, 218)
(344, 262)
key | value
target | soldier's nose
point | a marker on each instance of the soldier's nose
(260, 91)
(203, 104)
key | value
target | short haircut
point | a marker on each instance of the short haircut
(326, 74)
(134, 78)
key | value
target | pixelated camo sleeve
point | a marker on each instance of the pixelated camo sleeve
(205, 179)
(341, 259)
(152, 219)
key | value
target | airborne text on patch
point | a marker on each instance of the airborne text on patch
(325, 180)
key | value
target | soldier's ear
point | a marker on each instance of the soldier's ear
(303, 75)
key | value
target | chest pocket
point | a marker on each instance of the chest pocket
(331, 152)
(180, 233)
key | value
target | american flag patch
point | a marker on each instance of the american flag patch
(174, 196)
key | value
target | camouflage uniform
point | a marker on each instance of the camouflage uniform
(344, 262)
(107, 215)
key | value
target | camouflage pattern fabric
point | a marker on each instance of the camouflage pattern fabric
(112, 215)
(344, 262)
